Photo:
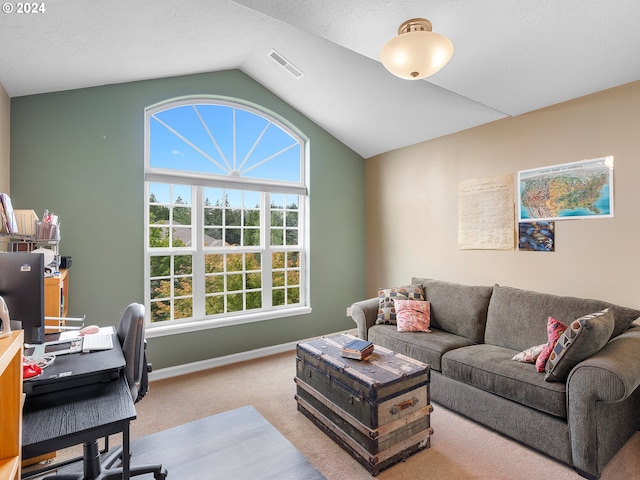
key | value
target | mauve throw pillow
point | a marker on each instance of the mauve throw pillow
(554, 330)
(413, 315)
(584, 337)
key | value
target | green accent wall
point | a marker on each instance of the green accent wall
(79, 153)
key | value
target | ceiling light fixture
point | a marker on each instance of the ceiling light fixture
(416, 52)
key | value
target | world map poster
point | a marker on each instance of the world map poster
(569, 191)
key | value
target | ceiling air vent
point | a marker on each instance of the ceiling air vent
(286, 64)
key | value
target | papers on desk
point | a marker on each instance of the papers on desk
(74, 334)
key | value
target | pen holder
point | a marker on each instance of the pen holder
(47, 231)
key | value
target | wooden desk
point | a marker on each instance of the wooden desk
(74, 416)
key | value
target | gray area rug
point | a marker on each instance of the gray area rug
(238, 444)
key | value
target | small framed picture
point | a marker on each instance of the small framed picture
(536, 236)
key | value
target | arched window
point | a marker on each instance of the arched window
(225, 215)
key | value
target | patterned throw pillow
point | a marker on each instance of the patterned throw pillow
(530, 355)
(413, 315)
(584, 337)
(554, 330)
(386, 296)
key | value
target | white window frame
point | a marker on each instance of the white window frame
(198, 182)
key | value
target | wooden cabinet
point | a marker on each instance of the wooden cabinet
(56, 297)
(11, 400)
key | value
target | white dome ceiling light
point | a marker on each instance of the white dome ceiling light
(416, 52)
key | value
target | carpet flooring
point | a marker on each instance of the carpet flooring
(460, 449)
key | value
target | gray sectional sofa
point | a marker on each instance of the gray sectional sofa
(475, 333)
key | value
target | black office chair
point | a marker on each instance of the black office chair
(131, 337)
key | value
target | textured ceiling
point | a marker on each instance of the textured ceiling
(514, 57)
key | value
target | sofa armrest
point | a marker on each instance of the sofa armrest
(364, 314)
(603, 400)
(618, 362)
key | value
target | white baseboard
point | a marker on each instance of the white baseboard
(220, 361)
(228, 359)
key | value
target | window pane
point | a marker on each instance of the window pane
(212, 237)
(292, 237)
(232, 236)
(160, 288)
(213, 216)
(276, 219)
(214, 263)
(254, 300)
(183, 308)
(234, 302)
(158, 214)
(158, 237)
(214, 305)
(292, 218)
(160, 266)
(182, 264)
(181, 237)
(253, 261)
(278, 279)
(293, 259)
(277, 259)
(182, 215)
(252, 218)
(234, 282)
(233, 217)
(254, 280)
(293, 296)
(293, 277)
(292, 201)
(214, 284)
(277, 236)
(277, 298)
(160, 311)
(182, 194)
(251, 237)
(159, 193)
(182, 286)
(234, 262)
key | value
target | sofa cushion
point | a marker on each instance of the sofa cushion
(582, 338)
(456, 308)
(490, 368)
(386, 296)
(425, 347)
(517, 319)
(554, 330)
(412, 315)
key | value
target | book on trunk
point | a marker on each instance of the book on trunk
(357, 349)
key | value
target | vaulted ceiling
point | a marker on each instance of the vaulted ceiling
(511, 56)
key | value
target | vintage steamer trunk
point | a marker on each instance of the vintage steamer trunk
(377, 409)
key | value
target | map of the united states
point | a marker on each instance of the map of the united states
(570, 193)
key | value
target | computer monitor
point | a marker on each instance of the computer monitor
(22, 287)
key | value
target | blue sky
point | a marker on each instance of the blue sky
(201, 139)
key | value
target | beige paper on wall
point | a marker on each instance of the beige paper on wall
(486, 215)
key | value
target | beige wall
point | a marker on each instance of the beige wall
(4, 140)
(412, 204)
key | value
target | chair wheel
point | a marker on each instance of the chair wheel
(162, 475)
